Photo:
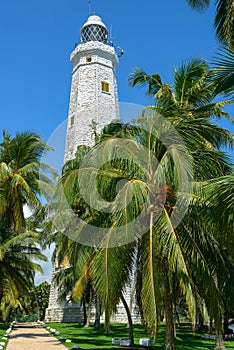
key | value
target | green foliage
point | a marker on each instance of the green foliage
(21, 182)
(43, 293)
(144, 198)
(222, 74)
(34, 305)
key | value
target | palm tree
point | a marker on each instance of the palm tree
(189, 107)
(81, 273)
(21, 179)
(189, 102)
(106, 275)
(150, 189)
(223, 21)
(104, 270)
(86, 263)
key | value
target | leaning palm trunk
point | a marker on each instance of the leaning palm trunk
(132, 293)
(130, 324)
(84, 312)
(168, 305)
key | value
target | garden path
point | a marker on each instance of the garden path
(31, 336)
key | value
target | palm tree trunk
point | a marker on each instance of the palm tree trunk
(89, 308)
(168, 304)
(84, 311)
(97, 323)
(130, 324)
(219, 344)
(174, 301)
(132, 293)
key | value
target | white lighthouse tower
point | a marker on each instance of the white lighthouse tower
(93, 104)
(94, 95)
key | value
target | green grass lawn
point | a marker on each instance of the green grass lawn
(3, 328)
(88, 338)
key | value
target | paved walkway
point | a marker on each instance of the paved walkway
(31, 336)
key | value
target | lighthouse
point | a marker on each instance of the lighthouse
(94, 94)
(93, 104)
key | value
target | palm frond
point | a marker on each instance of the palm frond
(224, 22)
(139, 77)
(199, 5)
(222, 73)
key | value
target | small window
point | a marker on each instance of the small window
(88, 59)
(105, 86)
(71, 121)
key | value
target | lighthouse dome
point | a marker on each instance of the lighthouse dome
(94, 30)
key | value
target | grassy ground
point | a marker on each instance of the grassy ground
(3, 328)
(88, 338)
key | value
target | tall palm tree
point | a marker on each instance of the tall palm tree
(189, 106)
(104, 270)
(21, 181)
(151, 190)
(106, 274)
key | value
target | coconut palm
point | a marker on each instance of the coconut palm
(188, 114)
(21, 179)
(106, 274)
(183, 101)
(150, 190)
(86, 263)
(189, 107)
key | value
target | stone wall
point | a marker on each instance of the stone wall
(72, 312)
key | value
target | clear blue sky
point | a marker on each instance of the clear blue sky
(37, 37)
